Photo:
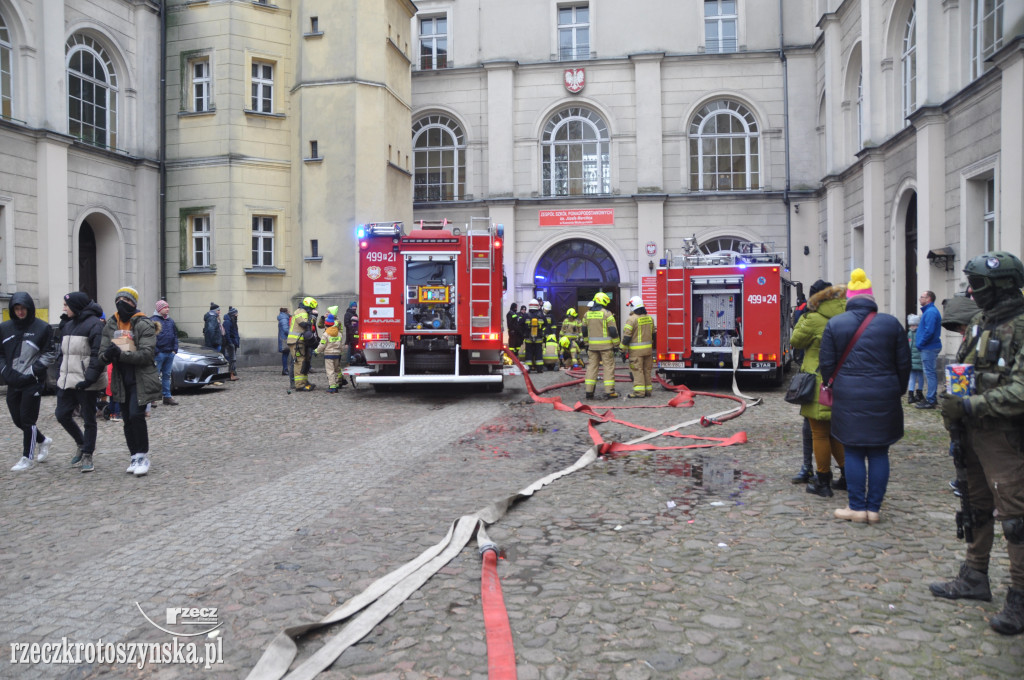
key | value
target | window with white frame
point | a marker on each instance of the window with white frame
(262, 241)
(909, 61)
(860, 111)
(724, 148)
(439, 159)
(92, 92)
(201, 238)
(200, 88)
(433, 42)
(986, 32)
(575, 158)
(6, 70)
(988, 216)
(720, 21)
(574, 31)
(262, 86)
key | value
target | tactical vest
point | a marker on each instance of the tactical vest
(992, 348)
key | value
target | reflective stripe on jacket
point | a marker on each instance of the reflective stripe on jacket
(300, 317)
(602, 333)
(639, 329)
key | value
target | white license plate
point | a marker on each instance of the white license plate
(671, 364)
(762, 364)
(380, 344)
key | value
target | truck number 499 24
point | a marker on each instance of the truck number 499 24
(762, 299)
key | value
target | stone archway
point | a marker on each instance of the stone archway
(99, 258)
(571, 272)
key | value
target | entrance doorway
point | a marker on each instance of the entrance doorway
(87, 282)
(910, 258)
(572, 272)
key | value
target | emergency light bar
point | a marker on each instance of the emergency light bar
(380, 229)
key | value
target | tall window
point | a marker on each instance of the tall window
(720, 25)
(988, 217)
(909, 61)
(433, 43)
(986, 32)
(201, 84)
(201, 238)
(574, 154)
(262, 86)
(6, 70)
(439, 159)
(724, 148)
(574, 31)
(262, 241)
(92, 93)
(860, 111)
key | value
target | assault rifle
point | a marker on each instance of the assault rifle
(965, 515)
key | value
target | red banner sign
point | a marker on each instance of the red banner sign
(649, 292)
(577, 218)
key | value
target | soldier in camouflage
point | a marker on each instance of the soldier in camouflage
(993, 423)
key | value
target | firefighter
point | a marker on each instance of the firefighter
(551, 352)
(570, 352)
(302, 339)
(546, 309)
(515, 338)
(535, 329)
(602, 338)
(571, 324)
(637, 345)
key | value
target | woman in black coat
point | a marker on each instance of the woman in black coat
(867, 414)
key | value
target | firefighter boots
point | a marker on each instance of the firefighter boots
(971, 584)
(1010, 621)
(611, 395)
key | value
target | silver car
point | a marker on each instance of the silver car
(196, 366)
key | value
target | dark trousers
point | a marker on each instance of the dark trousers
(136, 432)
(534, 354)
(229, 354)
(24, 407)
(67, 400)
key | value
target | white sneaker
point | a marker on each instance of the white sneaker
(25, 463)
(134, 463)
(142, 466)
(44, 450)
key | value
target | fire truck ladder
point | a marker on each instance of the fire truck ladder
(481, 274)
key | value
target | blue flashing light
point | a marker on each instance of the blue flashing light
(662, 262)
(360, 231)
(539, 276)
(743, 266)
(500, 230)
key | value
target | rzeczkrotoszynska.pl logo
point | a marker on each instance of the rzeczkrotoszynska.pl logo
(186, 621)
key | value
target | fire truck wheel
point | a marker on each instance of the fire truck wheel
(496, 387)
(382, 388)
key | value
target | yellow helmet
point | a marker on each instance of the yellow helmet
(309, 302)
(602, 299)
(564, 342)
(550, 338)
(571, 312)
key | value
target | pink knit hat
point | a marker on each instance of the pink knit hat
(859, 284)
(161, 305)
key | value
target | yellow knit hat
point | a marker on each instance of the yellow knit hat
(859, 284)
(127, 292)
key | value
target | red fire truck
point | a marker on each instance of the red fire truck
(430, 304)
(713, 304)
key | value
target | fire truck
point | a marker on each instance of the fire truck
(720, 305)
(430, 304)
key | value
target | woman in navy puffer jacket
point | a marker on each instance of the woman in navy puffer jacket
(867, 412)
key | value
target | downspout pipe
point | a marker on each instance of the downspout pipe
(163, 150)
(785, 140)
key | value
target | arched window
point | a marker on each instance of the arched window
(439, 159)
(6, 70)
(724, 148)
(909, 61)
(860, 111)
(574, 154)
(92, 93)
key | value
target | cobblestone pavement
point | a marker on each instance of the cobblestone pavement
(275, 508)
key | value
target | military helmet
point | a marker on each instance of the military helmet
(309, 302)
(602, 299)
(564, 342)
(1000, 266)
(571, 312)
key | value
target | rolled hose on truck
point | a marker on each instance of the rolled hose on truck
(365, 610)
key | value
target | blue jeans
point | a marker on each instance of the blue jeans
(916, 381)
(928, 357)
(164, 361)
(867, 465)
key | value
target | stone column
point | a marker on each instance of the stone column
(1010, 61)
(835, 202)
(931, 196)
(649, 142)
(875, 226)
(500, 128)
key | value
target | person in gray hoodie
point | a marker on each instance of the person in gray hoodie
(27, 352)
(81, 376)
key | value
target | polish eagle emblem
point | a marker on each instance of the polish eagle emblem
(575, 79)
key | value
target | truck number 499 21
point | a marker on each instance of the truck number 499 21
(762, 299)
(374, 256)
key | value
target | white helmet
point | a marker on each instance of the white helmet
(590, 304)
(533, 305)
(635, 301)
(547, 306)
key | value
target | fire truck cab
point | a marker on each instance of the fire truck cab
(430, 304)
(714, 303)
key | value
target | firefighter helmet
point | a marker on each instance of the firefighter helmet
(635, 301)
(564, 342)
(547, 306)
(551, 338)
(534, 305)
(309, 302)
(590, 305)
(571, 312)
(602, 299)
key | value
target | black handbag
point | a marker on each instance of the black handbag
(801, 389)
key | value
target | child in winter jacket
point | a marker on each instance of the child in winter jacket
(332, 346)
(914, 393)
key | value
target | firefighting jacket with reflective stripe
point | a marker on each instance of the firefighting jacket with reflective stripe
(638, 333)
(600, 329)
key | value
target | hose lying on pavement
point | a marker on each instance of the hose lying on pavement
(384, 595)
